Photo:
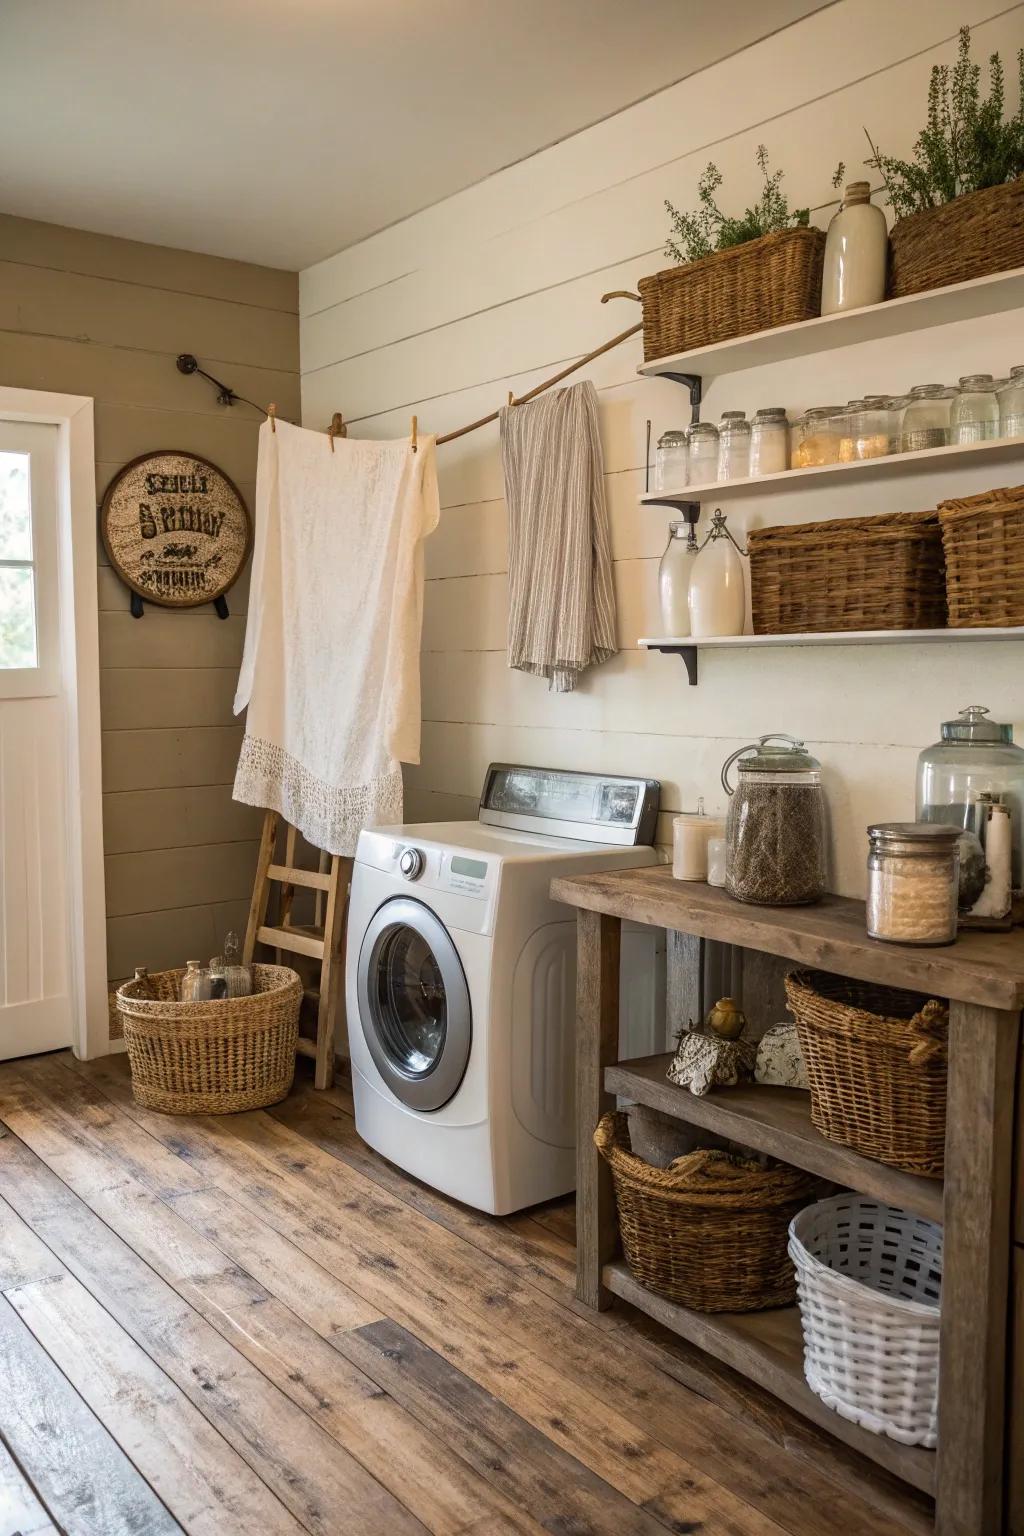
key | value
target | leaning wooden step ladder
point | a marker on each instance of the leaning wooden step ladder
(322, 940)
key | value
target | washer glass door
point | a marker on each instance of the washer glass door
(414, 1003)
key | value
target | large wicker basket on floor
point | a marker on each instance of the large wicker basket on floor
(211, 1058)
(974, 235)
(876, 1064)
(853, 573)
(706, 1232)
(983, 540)
(753, 287)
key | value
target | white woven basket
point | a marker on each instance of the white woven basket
(868, 1282)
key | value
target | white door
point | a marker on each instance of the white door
(35, 1006)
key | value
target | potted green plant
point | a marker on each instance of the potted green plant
(733, 275)
(959, 202)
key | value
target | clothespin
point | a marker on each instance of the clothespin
(337, 428)
(414, 434)
(511, 398)
(272, 412)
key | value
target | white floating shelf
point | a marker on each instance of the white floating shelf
(897, 317)
(1000, 451)
(828, 637)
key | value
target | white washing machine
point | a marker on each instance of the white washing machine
(461, 981)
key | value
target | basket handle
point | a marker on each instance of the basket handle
(930, 1027)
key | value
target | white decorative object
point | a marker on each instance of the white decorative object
(869, 1278)
(674, 579)
(779, 1058)
(703, 1062)
(856, 248)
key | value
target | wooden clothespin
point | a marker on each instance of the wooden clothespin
(511, 398)
(414, 427)
(272, 412)
(337, 428)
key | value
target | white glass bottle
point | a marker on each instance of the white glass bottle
(674, 579)
(717, 600)
(856, 249)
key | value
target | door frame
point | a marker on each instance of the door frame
(72, 415)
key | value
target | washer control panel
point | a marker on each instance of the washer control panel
(410, 863)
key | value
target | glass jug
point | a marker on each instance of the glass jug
(976, 757)
(776, 838)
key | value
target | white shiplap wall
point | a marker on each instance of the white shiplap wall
(495, 287)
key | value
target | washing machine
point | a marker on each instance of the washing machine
(461, 981)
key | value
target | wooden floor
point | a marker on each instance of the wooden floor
(251, 1325)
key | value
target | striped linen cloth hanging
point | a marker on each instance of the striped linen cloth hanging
(561, 599)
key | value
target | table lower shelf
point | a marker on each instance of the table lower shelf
(767, 1347)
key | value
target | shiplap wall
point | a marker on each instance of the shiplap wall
(90, 315)
(494, 288)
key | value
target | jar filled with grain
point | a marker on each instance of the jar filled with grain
(816, 437)
(913, 882)
(775, 834)
(871, 430)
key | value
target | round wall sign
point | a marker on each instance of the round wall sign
(175, 529)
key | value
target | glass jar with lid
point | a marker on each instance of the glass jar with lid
(775, 832)
(769, 441)
(870, 431)
(1011, 404)
(670, 461)
(925, 422)
(974, 417)
(975, 758)
(703, 453)
(816, 437)
(913, 883)
(674, 578)
(734, 446)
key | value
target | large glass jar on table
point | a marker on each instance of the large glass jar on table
(975, 758)
(776, 838)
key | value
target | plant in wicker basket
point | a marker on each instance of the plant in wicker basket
(709, 229)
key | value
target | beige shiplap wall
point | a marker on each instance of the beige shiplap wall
(91, 315)
(500, 285)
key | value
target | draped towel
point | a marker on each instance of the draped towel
(331, 666)
(561, 599)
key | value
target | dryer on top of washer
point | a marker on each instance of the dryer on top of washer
(461, 981)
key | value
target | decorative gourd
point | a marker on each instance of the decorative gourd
(726, 1019)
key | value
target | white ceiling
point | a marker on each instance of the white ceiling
(280, 131)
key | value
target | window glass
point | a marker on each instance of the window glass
(15, 510)
(17, 616)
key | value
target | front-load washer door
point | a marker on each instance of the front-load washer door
(414, 1004)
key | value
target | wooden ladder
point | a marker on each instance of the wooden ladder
(321, 940)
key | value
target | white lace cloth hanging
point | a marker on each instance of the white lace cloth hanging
(331, 666)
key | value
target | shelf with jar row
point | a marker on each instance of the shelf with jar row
(959, 455)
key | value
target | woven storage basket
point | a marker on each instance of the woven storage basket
(853, 573)
(876, 1064)
(216, 1057)
(869, 1278)
(752, 287)
(983, 539)
(974, 235)
(706, 1232)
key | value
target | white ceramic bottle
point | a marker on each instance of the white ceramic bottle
(674, 579)
(856, 249)
(717, 601)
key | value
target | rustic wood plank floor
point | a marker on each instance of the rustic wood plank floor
(251, 1323)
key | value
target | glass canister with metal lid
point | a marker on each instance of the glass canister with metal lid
(671, 461)
(975, 758)
(776, 830)
(913, 880)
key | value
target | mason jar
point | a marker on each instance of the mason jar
(734, 446)
(913, 882)
(769, 441)
(670, 461)
(1011, 404)
(871, 429)
(974, 417)
(925, 422)
(703, 453)
(816, 437)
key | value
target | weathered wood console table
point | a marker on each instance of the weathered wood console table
(983, 977)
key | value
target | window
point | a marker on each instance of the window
(19, 646)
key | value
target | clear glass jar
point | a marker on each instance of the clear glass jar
(703, 453)
(237, 975)
(925, 422)
(976, 757)
(775, 833)
(974, 417)
(734, 446)
(1011, 404)
(769, 441)
(674, 579)
(670, 461)
(871, 429)
(195, 984)
(816, 437)
(913, 881)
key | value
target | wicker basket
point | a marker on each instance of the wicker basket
(211, 1058)
(709, 1232)
(983, 540)
(852, 573)
(974, 235)
(869, 1278)
(876, 1064)
(753, 287)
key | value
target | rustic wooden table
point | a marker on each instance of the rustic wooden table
(982, 975)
